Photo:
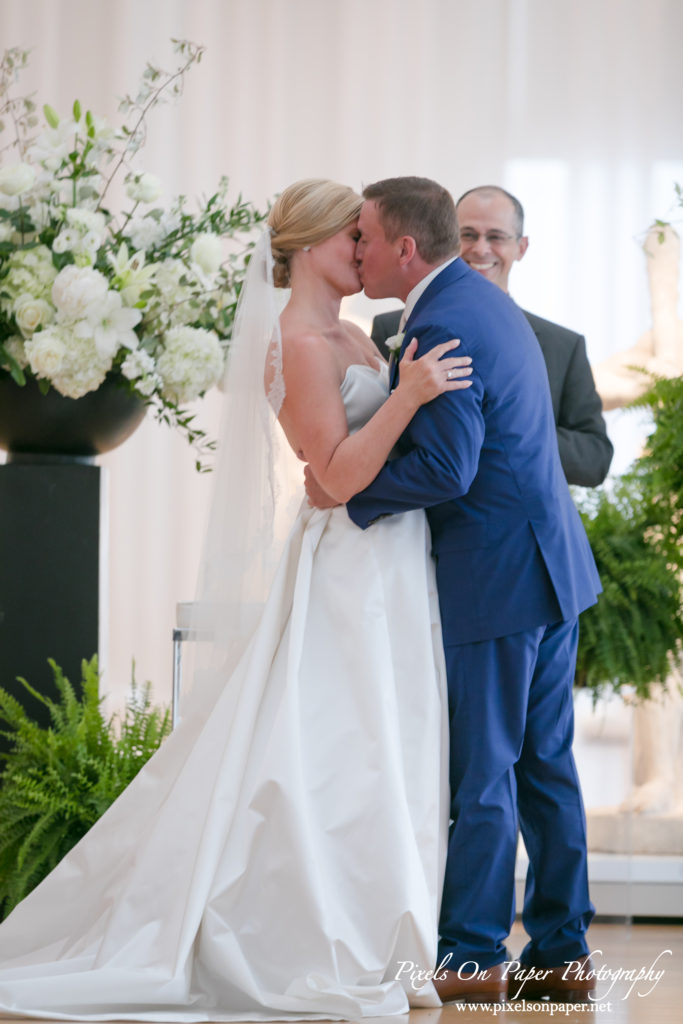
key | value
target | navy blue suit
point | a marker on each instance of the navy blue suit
(514, 570)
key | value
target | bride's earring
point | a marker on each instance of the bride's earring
(306, 248)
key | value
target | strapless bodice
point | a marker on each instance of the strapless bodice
(363, 391)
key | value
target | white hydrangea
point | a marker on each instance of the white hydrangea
(167, 277)
(83, 234)
(86, 220)
(31, 314)
(191, 362)
(145, 232)
(76, 290)
(140, 367)
(30, 273)
(19, 282)
(175, 305)
(72, 364)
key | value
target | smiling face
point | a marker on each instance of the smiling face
(378, 259)
(489, 240)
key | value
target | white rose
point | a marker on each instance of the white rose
(45, 352)
(143, 188)
(207, 253)
(31, 313)
(16, 178)
(394, 342)
(76, 290)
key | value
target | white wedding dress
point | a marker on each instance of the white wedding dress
(285, 859)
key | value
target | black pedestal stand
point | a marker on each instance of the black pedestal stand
(51, 573)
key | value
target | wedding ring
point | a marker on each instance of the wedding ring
(449, 375)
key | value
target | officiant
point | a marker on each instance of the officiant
(492, 239)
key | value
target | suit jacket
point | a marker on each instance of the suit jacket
(511, 553)
(585, 449)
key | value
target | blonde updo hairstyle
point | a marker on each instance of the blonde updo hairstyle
(306, 213)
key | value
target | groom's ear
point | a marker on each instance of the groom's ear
(407, 250)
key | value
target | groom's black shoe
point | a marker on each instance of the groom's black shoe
(488, 985)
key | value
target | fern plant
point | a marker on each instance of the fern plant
(635, 631)
(630, 635)
(658, 473)
(57, 781)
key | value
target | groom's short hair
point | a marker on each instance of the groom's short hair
(421, 208)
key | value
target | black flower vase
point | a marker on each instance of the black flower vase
(33, 424)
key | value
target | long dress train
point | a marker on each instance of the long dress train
(285, 857)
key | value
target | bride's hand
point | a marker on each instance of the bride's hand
(429, 376)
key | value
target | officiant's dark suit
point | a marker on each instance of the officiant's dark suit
(585, 449)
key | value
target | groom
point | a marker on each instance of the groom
(514, 569)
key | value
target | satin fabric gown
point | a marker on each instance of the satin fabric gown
(286, 857)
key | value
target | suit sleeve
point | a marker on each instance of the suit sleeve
(445, 439)
(585, 449)
(378, 331)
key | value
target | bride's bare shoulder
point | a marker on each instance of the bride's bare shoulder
(307, 355)
(358, 334)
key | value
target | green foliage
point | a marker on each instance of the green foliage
(628, 637)
(635, 631)
(59, 780)
(658, 473)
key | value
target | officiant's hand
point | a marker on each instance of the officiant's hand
(317, 497)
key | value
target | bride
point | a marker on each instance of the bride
(281, 854)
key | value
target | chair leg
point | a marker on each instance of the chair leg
(177, 677)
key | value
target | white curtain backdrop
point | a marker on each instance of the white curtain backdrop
(575, 107)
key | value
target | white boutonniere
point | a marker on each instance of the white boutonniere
(394, 342)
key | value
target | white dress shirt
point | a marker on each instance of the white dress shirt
(415, 293)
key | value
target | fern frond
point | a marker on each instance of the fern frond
(58, 781)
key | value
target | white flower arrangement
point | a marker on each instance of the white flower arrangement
(147, 296)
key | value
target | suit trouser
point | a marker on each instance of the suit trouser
(511, 727)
